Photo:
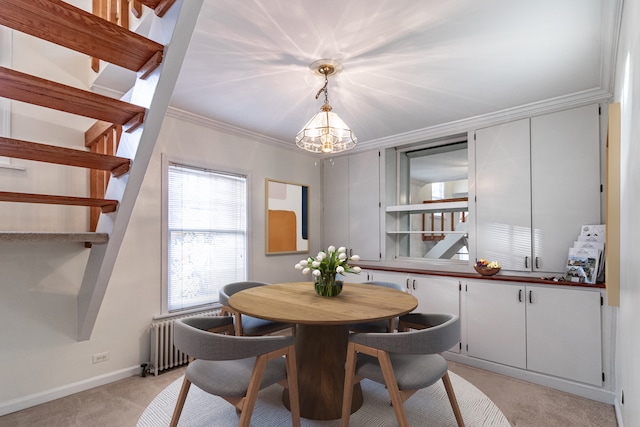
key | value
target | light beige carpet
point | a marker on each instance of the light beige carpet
(428, 407)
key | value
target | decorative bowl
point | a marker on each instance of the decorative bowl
(485, 271)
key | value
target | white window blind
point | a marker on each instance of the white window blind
(207, 234)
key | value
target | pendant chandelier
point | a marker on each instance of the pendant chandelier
(326, 132)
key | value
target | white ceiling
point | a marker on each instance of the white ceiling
(408, 65)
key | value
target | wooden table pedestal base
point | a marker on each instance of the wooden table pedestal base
(321, 354)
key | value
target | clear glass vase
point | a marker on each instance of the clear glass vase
(327, 286)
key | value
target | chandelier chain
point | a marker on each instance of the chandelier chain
(324, 88)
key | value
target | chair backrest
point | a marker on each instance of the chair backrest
(441, 333)
(227, 290)
(191, 337)
(390, 285)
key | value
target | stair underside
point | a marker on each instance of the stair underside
(71, 27)
(20, 236)
(64, 156)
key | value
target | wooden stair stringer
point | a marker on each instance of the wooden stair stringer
(174, 31)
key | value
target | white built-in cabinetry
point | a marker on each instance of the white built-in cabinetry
(351, 203)
(550, 330)
(536, 182)
(544, 329)
(374, 276)
(436, 294)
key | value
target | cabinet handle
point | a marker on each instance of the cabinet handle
(537, 266)
(519, 295)
(414, 284)
(530, 297)
(408, 283)
(526, 262)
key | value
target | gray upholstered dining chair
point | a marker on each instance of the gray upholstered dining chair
(389, 325)
(232, 367)
(248, 325)
(405, 361)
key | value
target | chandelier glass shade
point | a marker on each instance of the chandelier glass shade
(326, 132)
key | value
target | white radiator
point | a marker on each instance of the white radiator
(163, 355)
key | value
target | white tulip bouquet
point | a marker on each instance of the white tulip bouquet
(329, 263)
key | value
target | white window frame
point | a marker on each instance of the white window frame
(167, 160)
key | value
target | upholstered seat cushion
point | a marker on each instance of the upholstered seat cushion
(379, 326)
(405, 366)
(255, 326)
(231, 377)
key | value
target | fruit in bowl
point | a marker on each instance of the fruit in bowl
(486, 268)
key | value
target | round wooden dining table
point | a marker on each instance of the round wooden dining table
(322, 333)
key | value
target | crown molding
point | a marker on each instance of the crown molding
(229, 129)
(490, 119)
(419, 135)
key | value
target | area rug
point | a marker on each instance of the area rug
(428, 407)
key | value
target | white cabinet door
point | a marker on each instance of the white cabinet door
(364, 204)
(351, 205)
(335, 207)
(438, 295)
(567, 141)
(495, 320)
(387, 276)
(503, 196)
(564, 333)
(537, 182)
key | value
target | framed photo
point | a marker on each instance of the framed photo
(287, 217)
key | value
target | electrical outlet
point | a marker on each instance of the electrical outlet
(101, 357)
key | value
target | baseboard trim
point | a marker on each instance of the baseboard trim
(579, 389)
(25, 402)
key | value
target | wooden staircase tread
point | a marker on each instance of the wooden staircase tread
(105, 204)
(35, 90)
(64, 156)
(66, 25)
(72, 237)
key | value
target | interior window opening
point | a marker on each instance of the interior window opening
(433, 180)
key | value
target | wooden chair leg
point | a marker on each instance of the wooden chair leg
(180, 403)
(238, 323)
(349, 381)
(292, 384)
(452, 398)
(252, 390)
(392, 387)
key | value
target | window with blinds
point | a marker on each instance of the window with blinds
(206, 234)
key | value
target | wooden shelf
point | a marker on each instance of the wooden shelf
(20, 236)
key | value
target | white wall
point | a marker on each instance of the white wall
(39, 282)
(628, 94)
(40, 124)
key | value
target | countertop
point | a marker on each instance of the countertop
(468, 275)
